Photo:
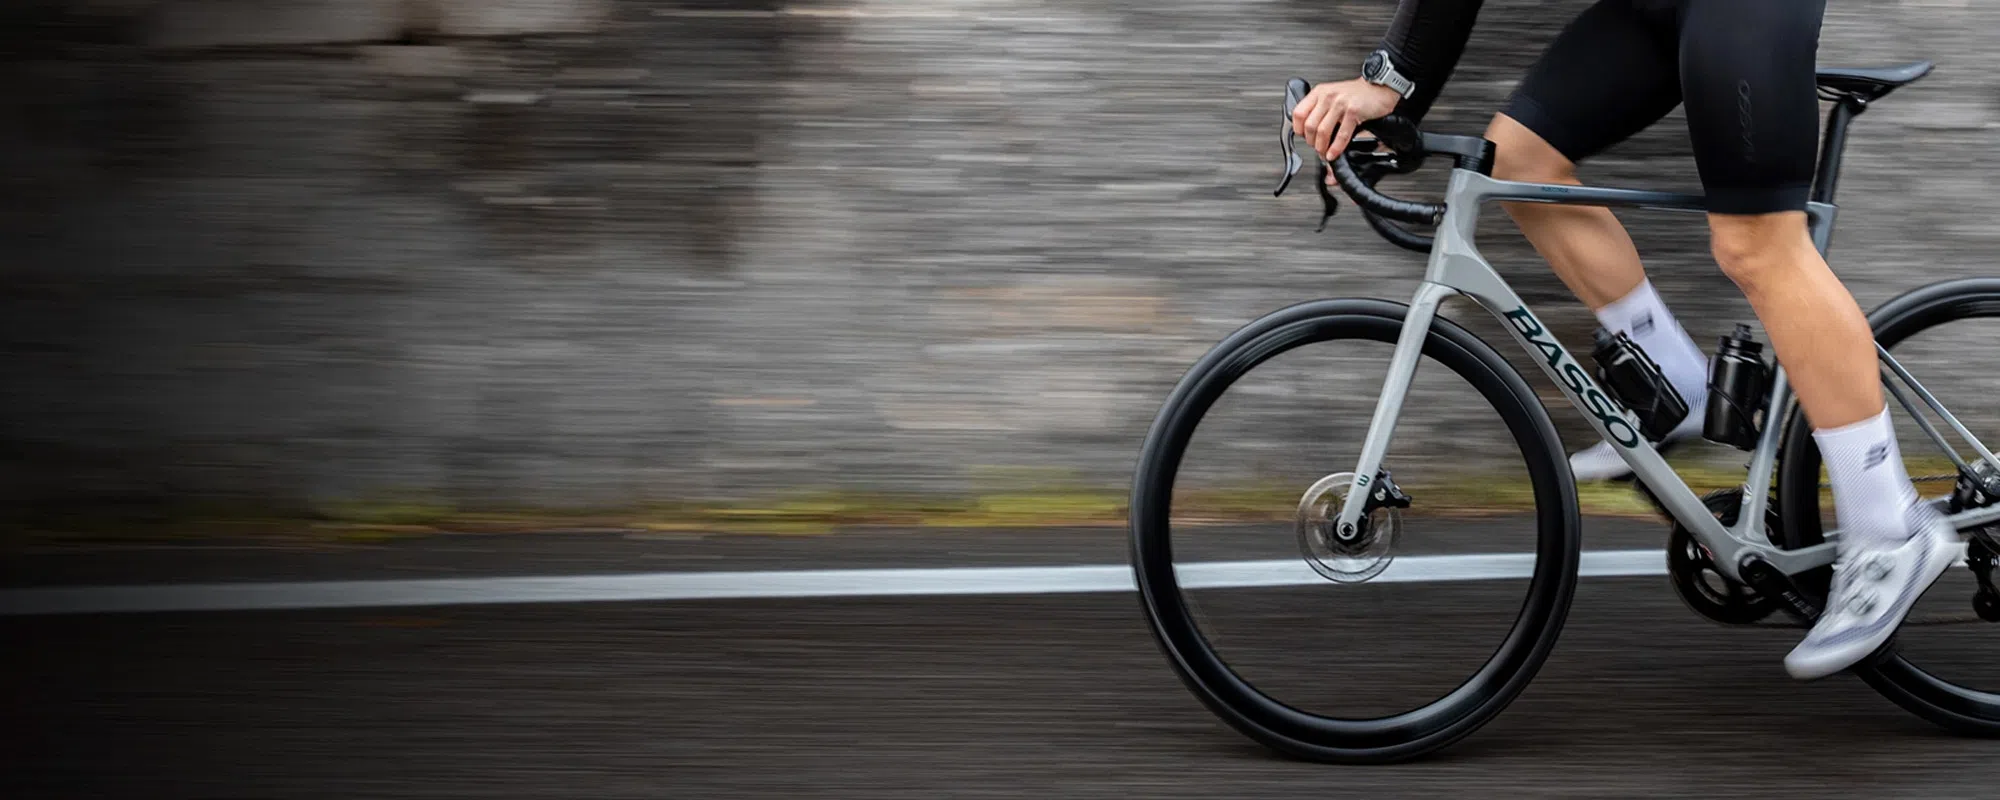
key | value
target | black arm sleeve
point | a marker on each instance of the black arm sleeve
(1424, 42)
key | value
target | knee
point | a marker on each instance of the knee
(1520, 155)
(1760, 251)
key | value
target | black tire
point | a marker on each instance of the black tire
(1960, 709)
(1497, 682)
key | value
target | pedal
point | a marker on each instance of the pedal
(1664, 449)
(1769, 582)
(1653, 499)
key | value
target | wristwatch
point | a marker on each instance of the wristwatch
(1379, 70)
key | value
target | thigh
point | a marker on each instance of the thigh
(1608, 75)
(1746, 71)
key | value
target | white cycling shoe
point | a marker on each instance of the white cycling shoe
(1875, 584)
(1599, 462)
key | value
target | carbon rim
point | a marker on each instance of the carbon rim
(1498, 680)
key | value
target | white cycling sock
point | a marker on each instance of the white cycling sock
(1644, 318)
(1871, 491)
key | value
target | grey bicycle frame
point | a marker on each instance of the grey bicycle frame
(1456, 267)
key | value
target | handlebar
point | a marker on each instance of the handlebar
(1380, 204)
(1364, 163)
(1396, 234)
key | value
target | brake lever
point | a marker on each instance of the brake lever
(1326, 196)
(1295, 91)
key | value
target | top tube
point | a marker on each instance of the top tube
(1591, 195)
(1819, 215)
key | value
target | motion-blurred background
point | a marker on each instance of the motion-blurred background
(352, 257)
(332, 275)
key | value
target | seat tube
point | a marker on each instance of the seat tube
(1388, 407)
(1819, 221)
(1826, 175)
(1757, 482)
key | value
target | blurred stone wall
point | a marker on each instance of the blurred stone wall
(596, 252)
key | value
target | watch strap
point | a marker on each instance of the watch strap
(1388, 76)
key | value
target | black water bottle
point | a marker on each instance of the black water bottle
(1638, 384)
(1739, 383)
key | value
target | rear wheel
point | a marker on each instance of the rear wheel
(1936, 332)
(1339, 575)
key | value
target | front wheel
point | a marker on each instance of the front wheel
(1329, 595)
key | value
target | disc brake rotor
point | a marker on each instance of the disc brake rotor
(1358, 555)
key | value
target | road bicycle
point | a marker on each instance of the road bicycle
(1736, 555)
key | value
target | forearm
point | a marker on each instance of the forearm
(1425, 42)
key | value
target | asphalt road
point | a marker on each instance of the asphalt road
(991, 696)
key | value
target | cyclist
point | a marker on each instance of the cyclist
(1744, 72)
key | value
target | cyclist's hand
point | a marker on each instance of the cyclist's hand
(1332, 112)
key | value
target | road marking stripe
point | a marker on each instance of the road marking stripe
(748, 585)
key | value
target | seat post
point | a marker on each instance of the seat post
(1828, 177)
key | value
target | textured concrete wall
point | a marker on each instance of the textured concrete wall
(596, 253)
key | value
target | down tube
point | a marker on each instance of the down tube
(1402, 368)
(1610, 420)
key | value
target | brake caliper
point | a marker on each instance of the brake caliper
(1385, 494)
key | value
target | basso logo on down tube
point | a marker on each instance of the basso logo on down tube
(1603, 408)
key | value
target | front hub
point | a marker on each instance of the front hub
(1352, 553)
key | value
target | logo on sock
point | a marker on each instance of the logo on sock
(1876, 455)
(1643, 325)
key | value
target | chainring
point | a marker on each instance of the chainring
(1697, 579)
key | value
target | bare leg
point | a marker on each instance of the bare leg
(1593, 255)
(1586, 245)
(1894, 547)
(1817, 329)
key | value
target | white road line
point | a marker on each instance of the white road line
(744, 585)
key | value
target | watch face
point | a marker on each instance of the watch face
(1372, 68)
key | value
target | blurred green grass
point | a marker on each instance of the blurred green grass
(1032, 499)
(796, 513)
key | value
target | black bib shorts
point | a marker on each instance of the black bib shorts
(1743, 68)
